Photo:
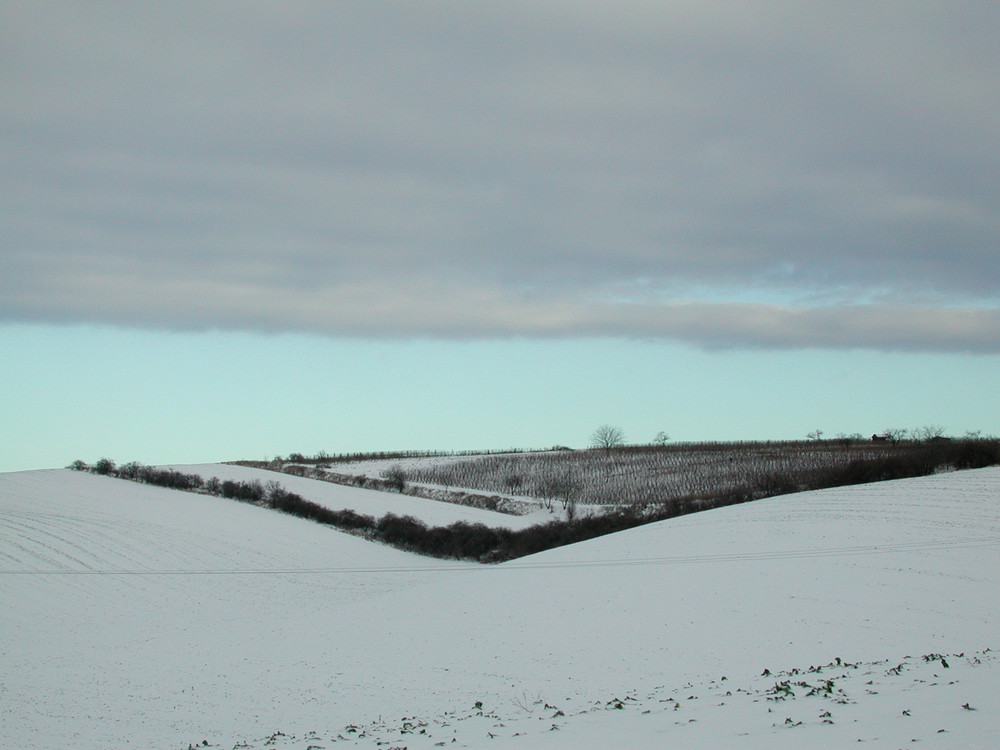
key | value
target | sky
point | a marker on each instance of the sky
(239, 230)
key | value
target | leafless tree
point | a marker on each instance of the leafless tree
(929, 432)
(607, 437)
(845, 440)
(565, 486)
(396, 476)
(895, 434)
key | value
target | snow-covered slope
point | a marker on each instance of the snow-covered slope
(138, 616)
(368, 502)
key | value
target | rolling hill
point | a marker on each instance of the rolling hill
(136, 616)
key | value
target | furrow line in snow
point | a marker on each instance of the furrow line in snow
(677, 560)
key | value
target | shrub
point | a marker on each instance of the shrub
(396, 477)
(974, 454)
(402, 531)
(104, 466)
(130, 470)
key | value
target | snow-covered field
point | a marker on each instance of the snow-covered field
(368, 502)
(135, 616)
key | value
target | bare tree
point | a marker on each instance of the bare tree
(661, 438)
(607, 437)
(512, 482)
(815, 435)
(929, 432)
(273, 491)
(895, 434)
(396, 476)
(845, 440)
(565, 486)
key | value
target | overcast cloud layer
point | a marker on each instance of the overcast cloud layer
(773, 174)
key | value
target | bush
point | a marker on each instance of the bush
(402, 531)
(251, 492)
(104, 466)
(974, 454)
(396, 477)
(130, 470)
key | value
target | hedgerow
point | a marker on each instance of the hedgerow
(469, 541)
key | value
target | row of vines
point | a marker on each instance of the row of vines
(653, 475)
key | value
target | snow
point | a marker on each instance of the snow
(365, 501)
(136, 616)
(377, 468)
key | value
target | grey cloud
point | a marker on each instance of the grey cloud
(520, 160)
(459, 308)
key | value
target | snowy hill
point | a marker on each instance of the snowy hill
(144, 617)
(368, 502)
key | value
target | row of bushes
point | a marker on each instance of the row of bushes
(146, 474)
(460, 540)
(919, 460)
(268, 495)
(468, 541)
